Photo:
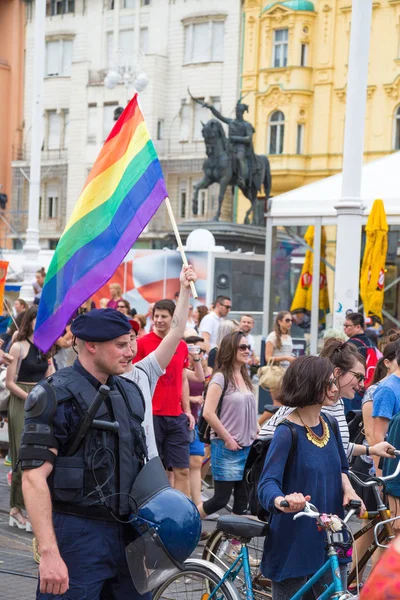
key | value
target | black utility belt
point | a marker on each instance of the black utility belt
(98, 513)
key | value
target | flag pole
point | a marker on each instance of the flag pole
(8, 309)
(179, 242)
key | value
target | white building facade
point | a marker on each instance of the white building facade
(181, 45)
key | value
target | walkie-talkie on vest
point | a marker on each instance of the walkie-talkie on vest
(88, 418)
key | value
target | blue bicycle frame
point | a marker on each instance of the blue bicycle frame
(336, 586)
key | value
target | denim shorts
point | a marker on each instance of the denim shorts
(227, 465)
(196, 447)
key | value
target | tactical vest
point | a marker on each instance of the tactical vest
(105, 461)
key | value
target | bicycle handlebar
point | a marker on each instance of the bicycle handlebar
(377, 480)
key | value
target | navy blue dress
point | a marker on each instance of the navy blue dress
(296, 548)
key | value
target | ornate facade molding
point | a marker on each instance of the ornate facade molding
(393, 89)
(341, 93)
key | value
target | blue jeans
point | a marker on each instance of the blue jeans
(94, 552)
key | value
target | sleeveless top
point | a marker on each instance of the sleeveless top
(34, 366)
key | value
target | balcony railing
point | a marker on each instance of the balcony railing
(96, 77)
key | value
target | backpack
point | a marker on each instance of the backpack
(203, 427)
(256, 459)
(372, 355)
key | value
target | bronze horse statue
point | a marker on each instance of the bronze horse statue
(219, 168)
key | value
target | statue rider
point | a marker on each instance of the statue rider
(241, 141)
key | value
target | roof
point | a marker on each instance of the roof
(293, 4)
(380, 179)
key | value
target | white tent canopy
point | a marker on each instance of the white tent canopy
(380, 179)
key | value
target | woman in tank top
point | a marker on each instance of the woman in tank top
(29, 367)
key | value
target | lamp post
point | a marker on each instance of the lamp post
(349, 209)
(31, 247)
(127, 69)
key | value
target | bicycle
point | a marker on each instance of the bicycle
(219, 542)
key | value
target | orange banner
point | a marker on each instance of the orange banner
(3, 275)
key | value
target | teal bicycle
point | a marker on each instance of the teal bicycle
(202, 580)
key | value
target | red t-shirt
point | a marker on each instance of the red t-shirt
(167, 397)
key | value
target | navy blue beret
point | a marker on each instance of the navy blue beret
(100, 325)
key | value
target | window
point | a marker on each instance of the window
(108, 118)
(200, 114)
(184, 129)
(280, 54)
(397, 130)
(300, 138)
(304, 55)
(144, 40)
(276, 132)
(92, 124)
(53, 130)
(160, 129)
(58, 58)
(52, 194)
(204, 42)
(60, 7)
(128, 3)
(53, 244)
(110, 5)
(216, 101)
(182, 199)
(145, 2)
(202, 207)
(66, 130)
(126, 41)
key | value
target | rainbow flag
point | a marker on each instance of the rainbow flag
(123, 191)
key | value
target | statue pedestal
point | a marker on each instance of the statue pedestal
(230, 235)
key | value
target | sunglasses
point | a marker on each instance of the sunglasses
(358, 376)
(332, 382)
(347, 325)
(288, 320)
(228, 306)
(244, 347)
(121, 306)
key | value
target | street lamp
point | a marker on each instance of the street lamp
(127, 69)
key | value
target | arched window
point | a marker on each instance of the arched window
(396, 143)
(276, 132)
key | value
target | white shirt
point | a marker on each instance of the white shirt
(250, 340)
(210, 324)
(145, 374)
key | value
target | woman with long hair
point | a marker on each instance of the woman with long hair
(198, 315)
(116, 295)
(226, 327)
(295, 550)
(124, 307)
(235, 428)
(279, 344)
(29, 367)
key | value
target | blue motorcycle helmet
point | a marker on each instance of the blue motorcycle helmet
(176, 521)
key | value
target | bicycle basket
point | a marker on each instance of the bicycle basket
(149, 562)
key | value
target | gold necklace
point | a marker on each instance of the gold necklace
(315, 439)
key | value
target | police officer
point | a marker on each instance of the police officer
(78, 472)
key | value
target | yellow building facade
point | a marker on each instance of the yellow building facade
(294, 73)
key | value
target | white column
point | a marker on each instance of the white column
(349, 209)
(315, 286)
(31, 246)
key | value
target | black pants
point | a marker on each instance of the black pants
(222, 493)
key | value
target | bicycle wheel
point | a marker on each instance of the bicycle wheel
(194, 582)
(220, 551)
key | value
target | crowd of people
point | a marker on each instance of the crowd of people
(192, 361)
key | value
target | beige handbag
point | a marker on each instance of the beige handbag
(270, 376)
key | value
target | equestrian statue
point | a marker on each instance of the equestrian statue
(232, 162)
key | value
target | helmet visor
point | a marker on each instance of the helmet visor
(148, 561)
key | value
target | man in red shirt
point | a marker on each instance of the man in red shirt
(172, 417)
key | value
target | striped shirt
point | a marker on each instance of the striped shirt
(337, 411)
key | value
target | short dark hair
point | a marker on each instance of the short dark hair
(165, 305)
(356, 318)
(248, 316)
(305, 381)
(221, 299)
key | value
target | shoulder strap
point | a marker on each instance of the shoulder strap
(361, 342)
(333, 423)
(219, 406)
(293, 447)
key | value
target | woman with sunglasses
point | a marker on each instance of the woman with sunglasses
(279, 344)
(123, 306)
(349, 373)
(235, 428)
(295, 550)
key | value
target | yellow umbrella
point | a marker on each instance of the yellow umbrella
(302, 299)
(373, 265)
